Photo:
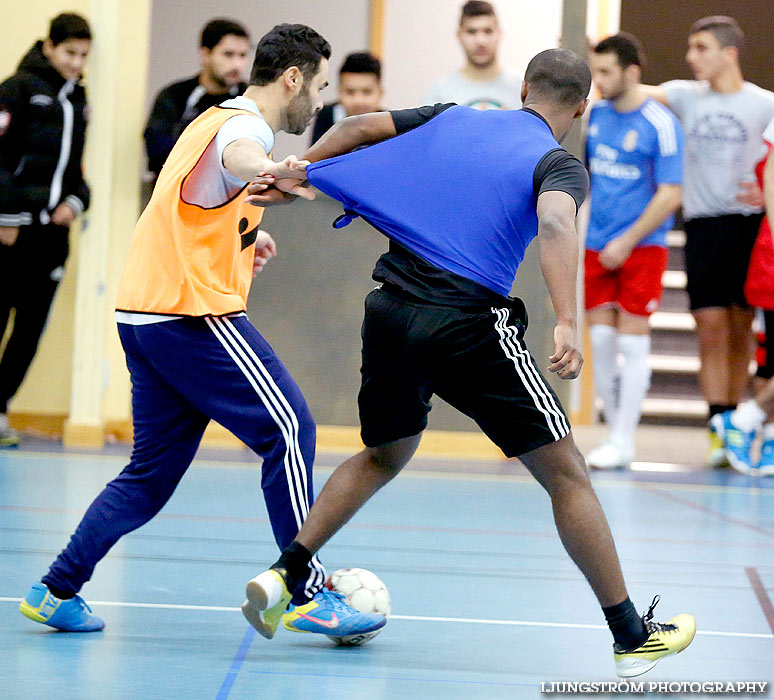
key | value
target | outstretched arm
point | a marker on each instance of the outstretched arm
(349, 133)
(270, 189)
(247, 159)
(657, 92)
(558, 243)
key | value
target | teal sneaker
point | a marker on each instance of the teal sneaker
(72, 615)
(738, 443)
(766, 461)
(328, 613)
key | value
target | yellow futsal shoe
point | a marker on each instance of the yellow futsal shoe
(267, 598)
(664, 639)
(717, 458)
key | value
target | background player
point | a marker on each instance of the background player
(441, 321)
(482, 82)
(191, 352)
(739, 428)
(43, 116)
(224, 46)
(359, 90)
(634, 150)
(724, 118)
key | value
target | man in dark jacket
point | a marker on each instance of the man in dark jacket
(224, 48)
(43, 114)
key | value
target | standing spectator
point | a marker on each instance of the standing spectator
(360, 92)
(43, 114)
(635, 153)
(481, 83)
(224, 48)
(724, 118)
(738, 429)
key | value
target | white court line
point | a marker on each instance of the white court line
(412, 618)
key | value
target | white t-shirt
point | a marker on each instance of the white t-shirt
(768, 134)
(723, 143)
(209, 183)
(504, 92)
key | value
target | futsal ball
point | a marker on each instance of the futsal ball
(364, 591)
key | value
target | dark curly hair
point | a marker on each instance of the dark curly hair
(288, 45)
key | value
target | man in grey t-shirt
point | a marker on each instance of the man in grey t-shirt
(481, 82)
(724, 118)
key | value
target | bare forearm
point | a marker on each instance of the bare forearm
(245, 159)
(657, 92)
(559, 265)
(350, 133)
(664, 203)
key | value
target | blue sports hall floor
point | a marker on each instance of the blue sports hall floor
(486, 604)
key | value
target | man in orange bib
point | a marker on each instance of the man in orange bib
(193, 355)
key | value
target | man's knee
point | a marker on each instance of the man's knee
(391, 457)
(558, 465)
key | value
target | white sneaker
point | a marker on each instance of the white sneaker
(8, 436)
(610, 456)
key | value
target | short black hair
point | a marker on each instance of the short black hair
(66, 26)
(558, 75)
(627, 50)
(288, 45)
(725, 29)
(362, 62)
(477, 8)
(214, 31)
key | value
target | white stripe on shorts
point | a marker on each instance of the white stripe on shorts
(530, 377)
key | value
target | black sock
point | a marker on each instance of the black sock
(58, 592)
(715, 408)
(625, 623)
(294, 560)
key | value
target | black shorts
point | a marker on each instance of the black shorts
(717, 255)
(475, 360)
(764, 355)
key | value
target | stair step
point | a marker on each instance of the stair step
(674, 279)
(685, 408)
(666, 321)
(684, 364)
(676, 239)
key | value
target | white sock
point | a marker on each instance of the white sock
(748, 416)
(604, 346)
(635, 380)
(768, 432)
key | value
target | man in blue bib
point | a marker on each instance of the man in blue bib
(460, 194)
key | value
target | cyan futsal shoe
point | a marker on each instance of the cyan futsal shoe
(71, 615)
(328, 613)
(738, 442)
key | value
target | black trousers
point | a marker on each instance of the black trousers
(30, 271)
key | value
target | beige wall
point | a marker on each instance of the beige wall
(420, 42)
(174, 47)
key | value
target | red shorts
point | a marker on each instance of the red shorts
(634, 287)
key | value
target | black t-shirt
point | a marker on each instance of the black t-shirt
(415, 277)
